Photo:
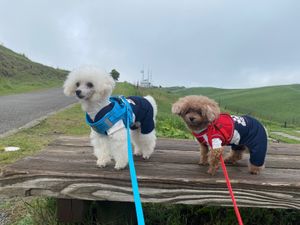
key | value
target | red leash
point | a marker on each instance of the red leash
(236, 209)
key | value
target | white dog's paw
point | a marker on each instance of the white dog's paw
(120, 165)
(103, 162)
(147, 152)
(137, 152)
(147, 155)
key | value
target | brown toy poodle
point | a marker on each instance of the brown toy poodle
(214, 130)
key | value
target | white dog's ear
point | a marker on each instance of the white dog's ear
(69, 86)
(108, 86)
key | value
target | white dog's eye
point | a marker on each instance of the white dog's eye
(77, 84)
(89, 85)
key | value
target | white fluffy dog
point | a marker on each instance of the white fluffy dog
(93, 89)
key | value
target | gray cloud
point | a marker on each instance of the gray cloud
(217, 43)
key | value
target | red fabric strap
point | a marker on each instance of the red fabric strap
(236, 209)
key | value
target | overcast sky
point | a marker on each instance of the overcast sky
(220, 43)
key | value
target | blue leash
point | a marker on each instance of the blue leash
(134, 183)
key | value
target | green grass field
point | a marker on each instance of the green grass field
(275, 103)
(71, 122)
(19, 74)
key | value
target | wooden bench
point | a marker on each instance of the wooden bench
(67, 169)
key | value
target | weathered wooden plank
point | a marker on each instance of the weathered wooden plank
(85, 163)
(155, 171)
(181, 144)
(162, 192)
(84, 155)
(152, 171)
(170, 175)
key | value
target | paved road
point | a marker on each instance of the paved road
(18, 110)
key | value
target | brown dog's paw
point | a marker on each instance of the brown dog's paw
(203, 155)
(212, 170)
(255, 170)
(229, 159)
(214, 160)
(233, 156)
(203, 161)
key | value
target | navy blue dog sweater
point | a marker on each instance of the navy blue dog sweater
(142, 110)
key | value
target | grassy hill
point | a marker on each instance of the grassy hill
(274, 103)
(20, 74)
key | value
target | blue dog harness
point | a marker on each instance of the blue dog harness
(119, 109)
(140, 113)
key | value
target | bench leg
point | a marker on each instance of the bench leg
(116, 213)
(71, 210)
(102, 212)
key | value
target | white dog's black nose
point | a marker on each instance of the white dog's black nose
(78, 92)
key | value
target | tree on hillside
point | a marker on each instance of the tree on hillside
(115, 74)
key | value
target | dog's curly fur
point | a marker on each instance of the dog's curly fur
(198, 112)
(93, 87)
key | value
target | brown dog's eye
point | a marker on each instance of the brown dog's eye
(77, 84)
(89, 85)
(186, 112)
(199, 112)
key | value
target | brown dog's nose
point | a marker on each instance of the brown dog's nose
(192, 119)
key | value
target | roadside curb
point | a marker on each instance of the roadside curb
(35, 122)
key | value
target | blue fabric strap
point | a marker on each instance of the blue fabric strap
(117, 113)
(122, 110)
(134, 183)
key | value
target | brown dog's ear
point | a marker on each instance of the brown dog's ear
(212, 111)
(178, 107)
